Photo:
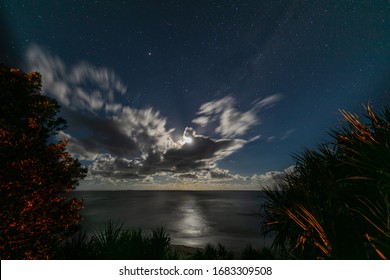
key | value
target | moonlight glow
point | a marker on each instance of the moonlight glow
(187, 140)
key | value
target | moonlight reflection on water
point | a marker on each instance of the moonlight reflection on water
(192, 218)
(191, 222)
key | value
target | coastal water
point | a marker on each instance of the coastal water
(192, 218)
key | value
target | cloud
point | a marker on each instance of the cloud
(214, 176)
(76, 147)
(283, 137)
(89, 99)
(268, 102)
(119, 142)
(232, 122)
(149, 180)
(147, 128)
(102, 135)
(224, 175)
(72, 87)
(196, 160)
(201, 153)
(269, 179)
(287, 134)
(107, 166)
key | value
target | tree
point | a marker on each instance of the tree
(335, 205)
(36, 172)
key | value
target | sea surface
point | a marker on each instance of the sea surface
(192, 218)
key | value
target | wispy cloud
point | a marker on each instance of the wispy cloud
(82, 87)
(268, 101)
(287, 134)
(282, 137)
(232, 122)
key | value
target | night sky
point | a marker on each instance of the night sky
(199, 94)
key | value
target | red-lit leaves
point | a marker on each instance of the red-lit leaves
(35, 174)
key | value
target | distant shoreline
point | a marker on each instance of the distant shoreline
(194, 187)
(170, 190)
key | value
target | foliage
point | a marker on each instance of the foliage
(159, 242)
(76, 247)
(250, 253)
(113, 242)
(106, 242)
(36, 172)
(210, 252)
(335, 205)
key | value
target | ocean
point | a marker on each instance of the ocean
(192, 218)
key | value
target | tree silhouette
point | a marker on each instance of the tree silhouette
(335, 205)
(36, 172)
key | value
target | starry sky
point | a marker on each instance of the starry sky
(199, 94)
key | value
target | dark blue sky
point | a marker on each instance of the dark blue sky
(255, 80)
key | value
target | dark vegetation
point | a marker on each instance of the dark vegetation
(334, 205)
(113, 242)
(35, 170)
